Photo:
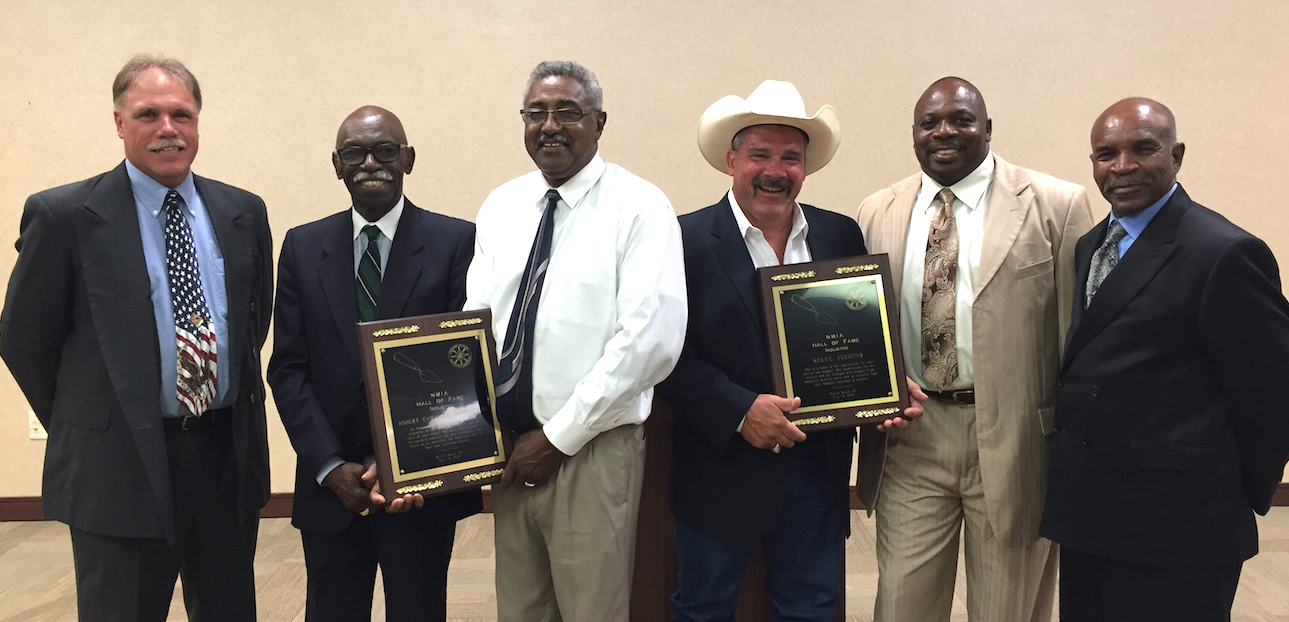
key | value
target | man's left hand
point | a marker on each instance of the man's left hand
(914, 410)
(533, 461)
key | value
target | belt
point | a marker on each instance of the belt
(188, 423)
(958, 396)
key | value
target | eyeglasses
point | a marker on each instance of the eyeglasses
(384, 152)
(563, 116)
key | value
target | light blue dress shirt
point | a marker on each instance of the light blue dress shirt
(1134, 224)
(149, 195)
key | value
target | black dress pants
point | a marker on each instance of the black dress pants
(412, 550)
(1097, 589)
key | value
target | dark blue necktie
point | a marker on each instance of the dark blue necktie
(194, 333)
(515, 370)
(369, 276)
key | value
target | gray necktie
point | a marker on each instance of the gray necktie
(1104, 260)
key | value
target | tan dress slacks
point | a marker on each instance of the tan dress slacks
(931, 493)
(565, 550)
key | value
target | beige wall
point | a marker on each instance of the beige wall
(279, 76)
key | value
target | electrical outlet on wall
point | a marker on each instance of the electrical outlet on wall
(35, 431)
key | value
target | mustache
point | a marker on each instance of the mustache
(380, 175)
(554, 138)
(1131, 179)
(765, 183)
(166, 143)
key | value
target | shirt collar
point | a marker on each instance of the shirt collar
(387, 224)
(1134, 224)
(152, 193)
(572, 191)
(970, 189)
(800, 228)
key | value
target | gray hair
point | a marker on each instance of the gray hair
(737, 141)
(143, 62)
(568, 69)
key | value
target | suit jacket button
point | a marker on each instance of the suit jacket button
(253, 398)
(1060, 382)
(1095, 390)
(1087, 441)
(1056, 428)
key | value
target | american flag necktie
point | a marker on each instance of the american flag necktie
(515, 369)
(194, 333)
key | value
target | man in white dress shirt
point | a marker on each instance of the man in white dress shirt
(581, 265)
(982, 254)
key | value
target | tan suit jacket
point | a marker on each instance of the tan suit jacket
(1024, 294)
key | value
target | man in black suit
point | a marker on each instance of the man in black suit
(383, 259)
(742, 475)
(133, 325)
(1168, 426)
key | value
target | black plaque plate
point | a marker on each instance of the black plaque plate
(430, 395)
(834, 341)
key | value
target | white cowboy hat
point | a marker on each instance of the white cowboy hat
(772, 103)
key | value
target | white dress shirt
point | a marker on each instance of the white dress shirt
(796, 251)
(387, 224)
(612, 316)
(762, 254)
(969, 207)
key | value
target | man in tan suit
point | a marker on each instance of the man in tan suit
(982, 254)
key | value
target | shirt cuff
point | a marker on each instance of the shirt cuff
(327, 468)
(565, 434)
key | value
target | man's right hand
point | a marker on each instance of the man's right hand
(765, 426)
(347, 482)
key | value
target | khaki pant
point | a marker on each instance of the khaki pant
(565, 550)
(930, 493)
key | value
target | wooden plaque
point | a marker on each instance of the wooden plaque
(431, 395)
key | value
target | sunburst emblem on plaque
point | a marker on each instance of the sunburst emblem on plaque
(856, 300)
(459, 356)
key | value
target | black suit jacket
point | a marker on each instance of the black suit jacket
(1170, 427)
(315, 371)
(79, 335)
(721, 485)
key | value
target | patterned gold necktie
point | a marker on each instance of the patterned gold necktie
(939, 298)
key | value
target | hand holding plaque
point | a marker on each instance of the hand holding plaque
(430, 395)
(830, 328)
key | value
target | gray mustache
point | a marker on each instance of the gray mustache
(165, 143)
(362, 176)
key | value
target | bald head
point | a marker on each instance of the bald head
(372, 156)
(951, 130)
(371, 115)
(1135, 154)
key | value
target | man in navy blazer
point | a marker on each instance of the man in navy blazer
(316, 377)
(742, 475)
(1170, 432)
(150, 487)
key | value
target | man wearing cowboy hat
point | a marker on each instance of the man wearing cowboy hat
(742, 475)
(995, 244)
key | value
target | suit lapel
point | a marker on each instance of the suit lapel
(732, 252)
(897, 234)
(236, 243)
(403, 267)
(1010, 198)
(336, 274)
(119, 294)
(1135, 269)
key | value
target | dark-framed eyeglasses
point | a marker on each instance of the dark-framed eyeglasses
(383, 152)
(563, 116)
